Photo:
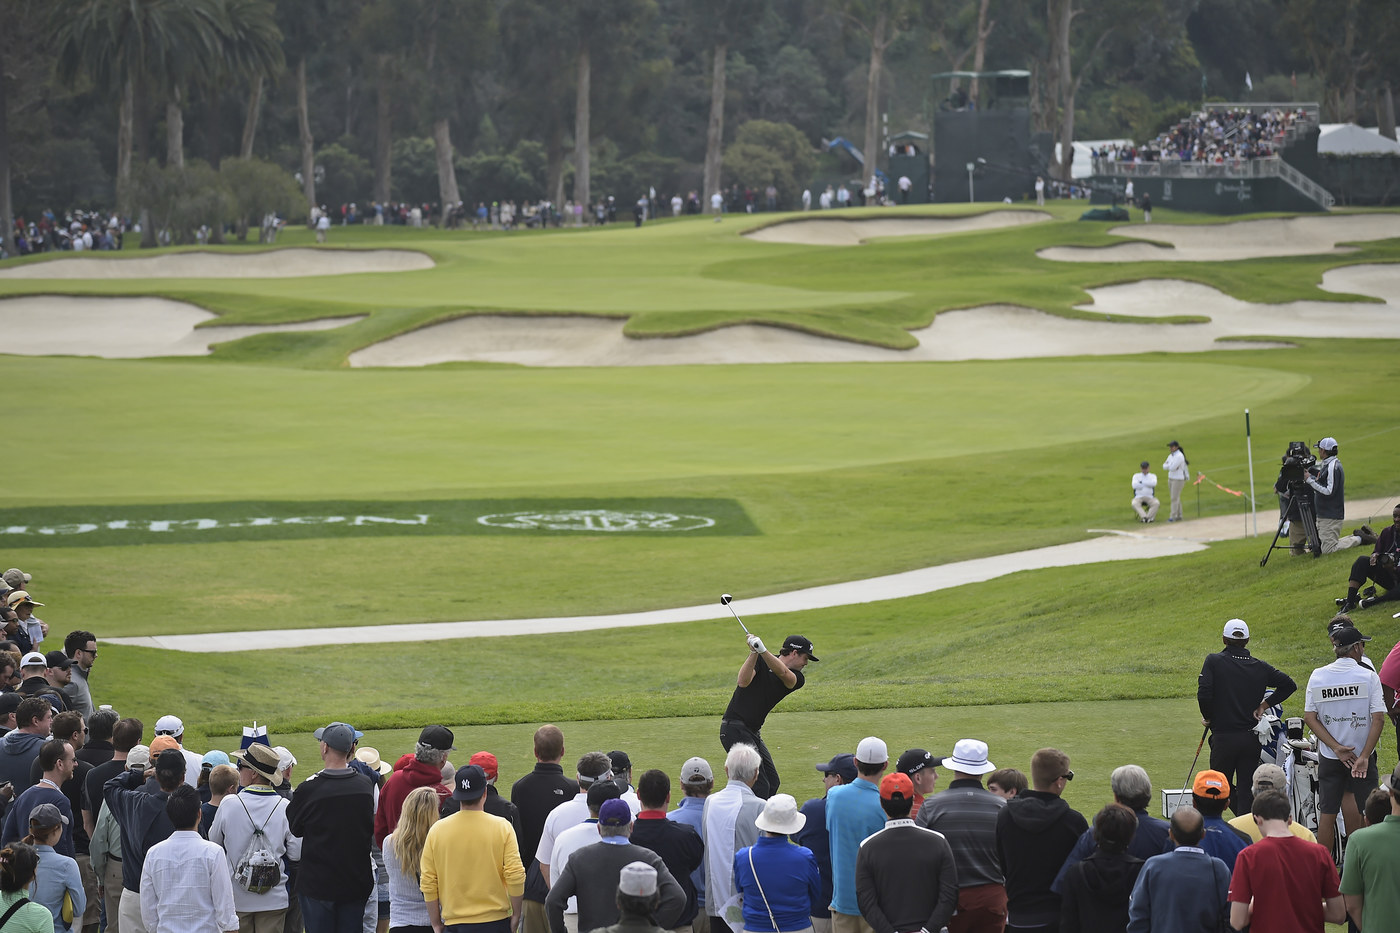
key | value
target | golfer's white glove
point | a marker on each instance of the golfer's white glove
(756, 644)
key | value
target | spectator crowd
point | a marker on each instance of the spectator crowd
(1216, 137)
(104, 831)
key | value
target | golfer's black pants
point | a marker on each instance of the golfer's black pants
(730, 733)
(1236, 755)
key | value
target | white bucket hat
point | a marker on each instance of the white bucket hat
(780, 815)
(970, 757)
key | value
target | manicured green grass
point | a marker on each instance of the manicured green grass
(692, 275)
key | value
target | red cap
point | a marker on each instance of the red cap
(486, 762)
(897, 783)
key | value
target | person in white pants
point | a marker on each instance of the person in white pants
(1175, 465)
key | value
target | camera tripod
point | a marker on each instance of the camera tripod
(1306, 515)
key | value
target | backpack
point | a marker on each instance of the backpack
(259, 870)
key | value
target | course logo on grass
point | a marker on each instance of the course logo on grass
(193, 523)
(608, 520)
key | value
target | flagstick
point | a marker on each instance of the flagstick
(1249, 458)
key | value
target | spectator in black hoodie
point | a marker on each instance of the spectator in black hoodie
(1035, 832)
(1096, 889)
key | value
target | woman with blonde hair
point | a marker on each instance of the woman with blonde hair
(403, 851)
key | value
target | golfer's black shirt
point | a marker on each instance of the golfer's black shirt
(752, 704)
(1232, 685)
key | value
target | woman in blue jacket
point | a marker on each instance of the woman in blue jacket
(779, 881)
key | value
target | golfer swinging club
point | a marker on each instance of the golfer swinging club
(763, 682)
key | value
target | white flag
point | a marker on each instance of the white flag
(1248, 84)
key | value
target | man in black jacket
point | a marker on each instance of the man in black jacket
(333, 813)
(1035, 833)
(905, 875)
(534, 796)
(1379, 565)
(1233, 691)
(678, 845)
(137, 800)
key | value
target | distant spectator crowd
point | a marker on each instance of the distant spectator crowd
(1212, 136)
(76, 230)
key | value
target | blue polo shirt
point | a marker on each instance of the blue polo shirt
(852, 812)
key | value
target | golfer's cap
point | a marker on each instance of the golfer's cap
(843, 764)
(872, 751)
(694, 771)
(620, 761)
(1236, 628)
(1144, 464)
(58, 659)
(1211, 784)
(914, 760)
(486, 762)
(468, 784)
(33, 659)
(1269, 777)
(47, 816)
(438, 737)
(1327, 443)
(896, 785)
(138, 758)
(19, 597)
(340, 736)
(637, 879)
(1348, 635)
(614, 812)
(161, 742)
(170, 725)
(801, 644)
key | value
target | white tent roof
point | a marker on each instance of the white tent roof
(1345, 139)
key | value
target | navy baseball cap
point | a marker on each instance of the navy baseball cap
(843, 764)
(469, 784)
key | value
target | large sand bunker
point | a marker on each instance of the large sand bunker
(1247, 239)
(272, 264)
(984, 333)
(123, 328)
(830, 231)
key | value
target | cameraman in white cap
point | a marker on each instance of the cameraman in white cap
(1328, 482)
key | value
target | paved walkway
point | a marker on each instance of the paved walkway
(1160, 539)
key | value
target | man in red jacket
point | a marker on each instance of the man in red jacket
(421, 769)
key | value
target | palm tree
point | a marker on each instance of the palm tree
(302, 23)
(250, 50)
(135, 48)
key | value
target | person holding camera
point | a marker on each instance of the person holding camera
(1378, 566)
(1328, 482)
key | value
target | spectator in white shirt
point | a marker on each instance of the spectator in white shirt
(1145, 503)
(1175, 466)
(185, 883)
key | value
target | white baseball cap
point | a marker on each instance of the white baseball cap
(1327, 443)
(170, 725)
(637, 879)
(872, 751)
(1236, 628)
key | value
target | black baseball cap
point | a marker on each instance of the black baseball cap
(801, 644)
(1348, 635)
(620, 761)
(469, 784)
(438, 737)
(58, 659)
(915, 760)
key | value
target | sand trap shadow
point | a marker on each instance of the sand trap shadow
(835, 231)
(124, 328)
(1246, 239)
(272, 264)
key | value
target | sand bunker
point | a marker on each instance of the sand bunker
(123, 328)
(992, 332)
(273, 264)
(1247, 239)
(829, 231)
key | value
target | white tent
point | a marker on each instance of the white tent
(1346, 139)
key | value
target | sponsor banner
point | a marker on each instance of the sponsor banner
(191, 523)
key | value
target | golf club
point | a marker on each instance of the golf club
(724, 601)
(1198, 756)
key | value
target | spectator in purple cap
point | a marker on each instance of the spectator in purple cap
(333, 813)
(593, 872)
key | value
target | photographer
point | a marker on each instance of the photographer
(1378, 566)
(1328, 481)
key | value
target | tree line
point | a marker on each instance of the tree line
(447, 100)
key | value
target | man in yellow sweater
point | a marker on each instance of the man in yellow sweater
(472, 878)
